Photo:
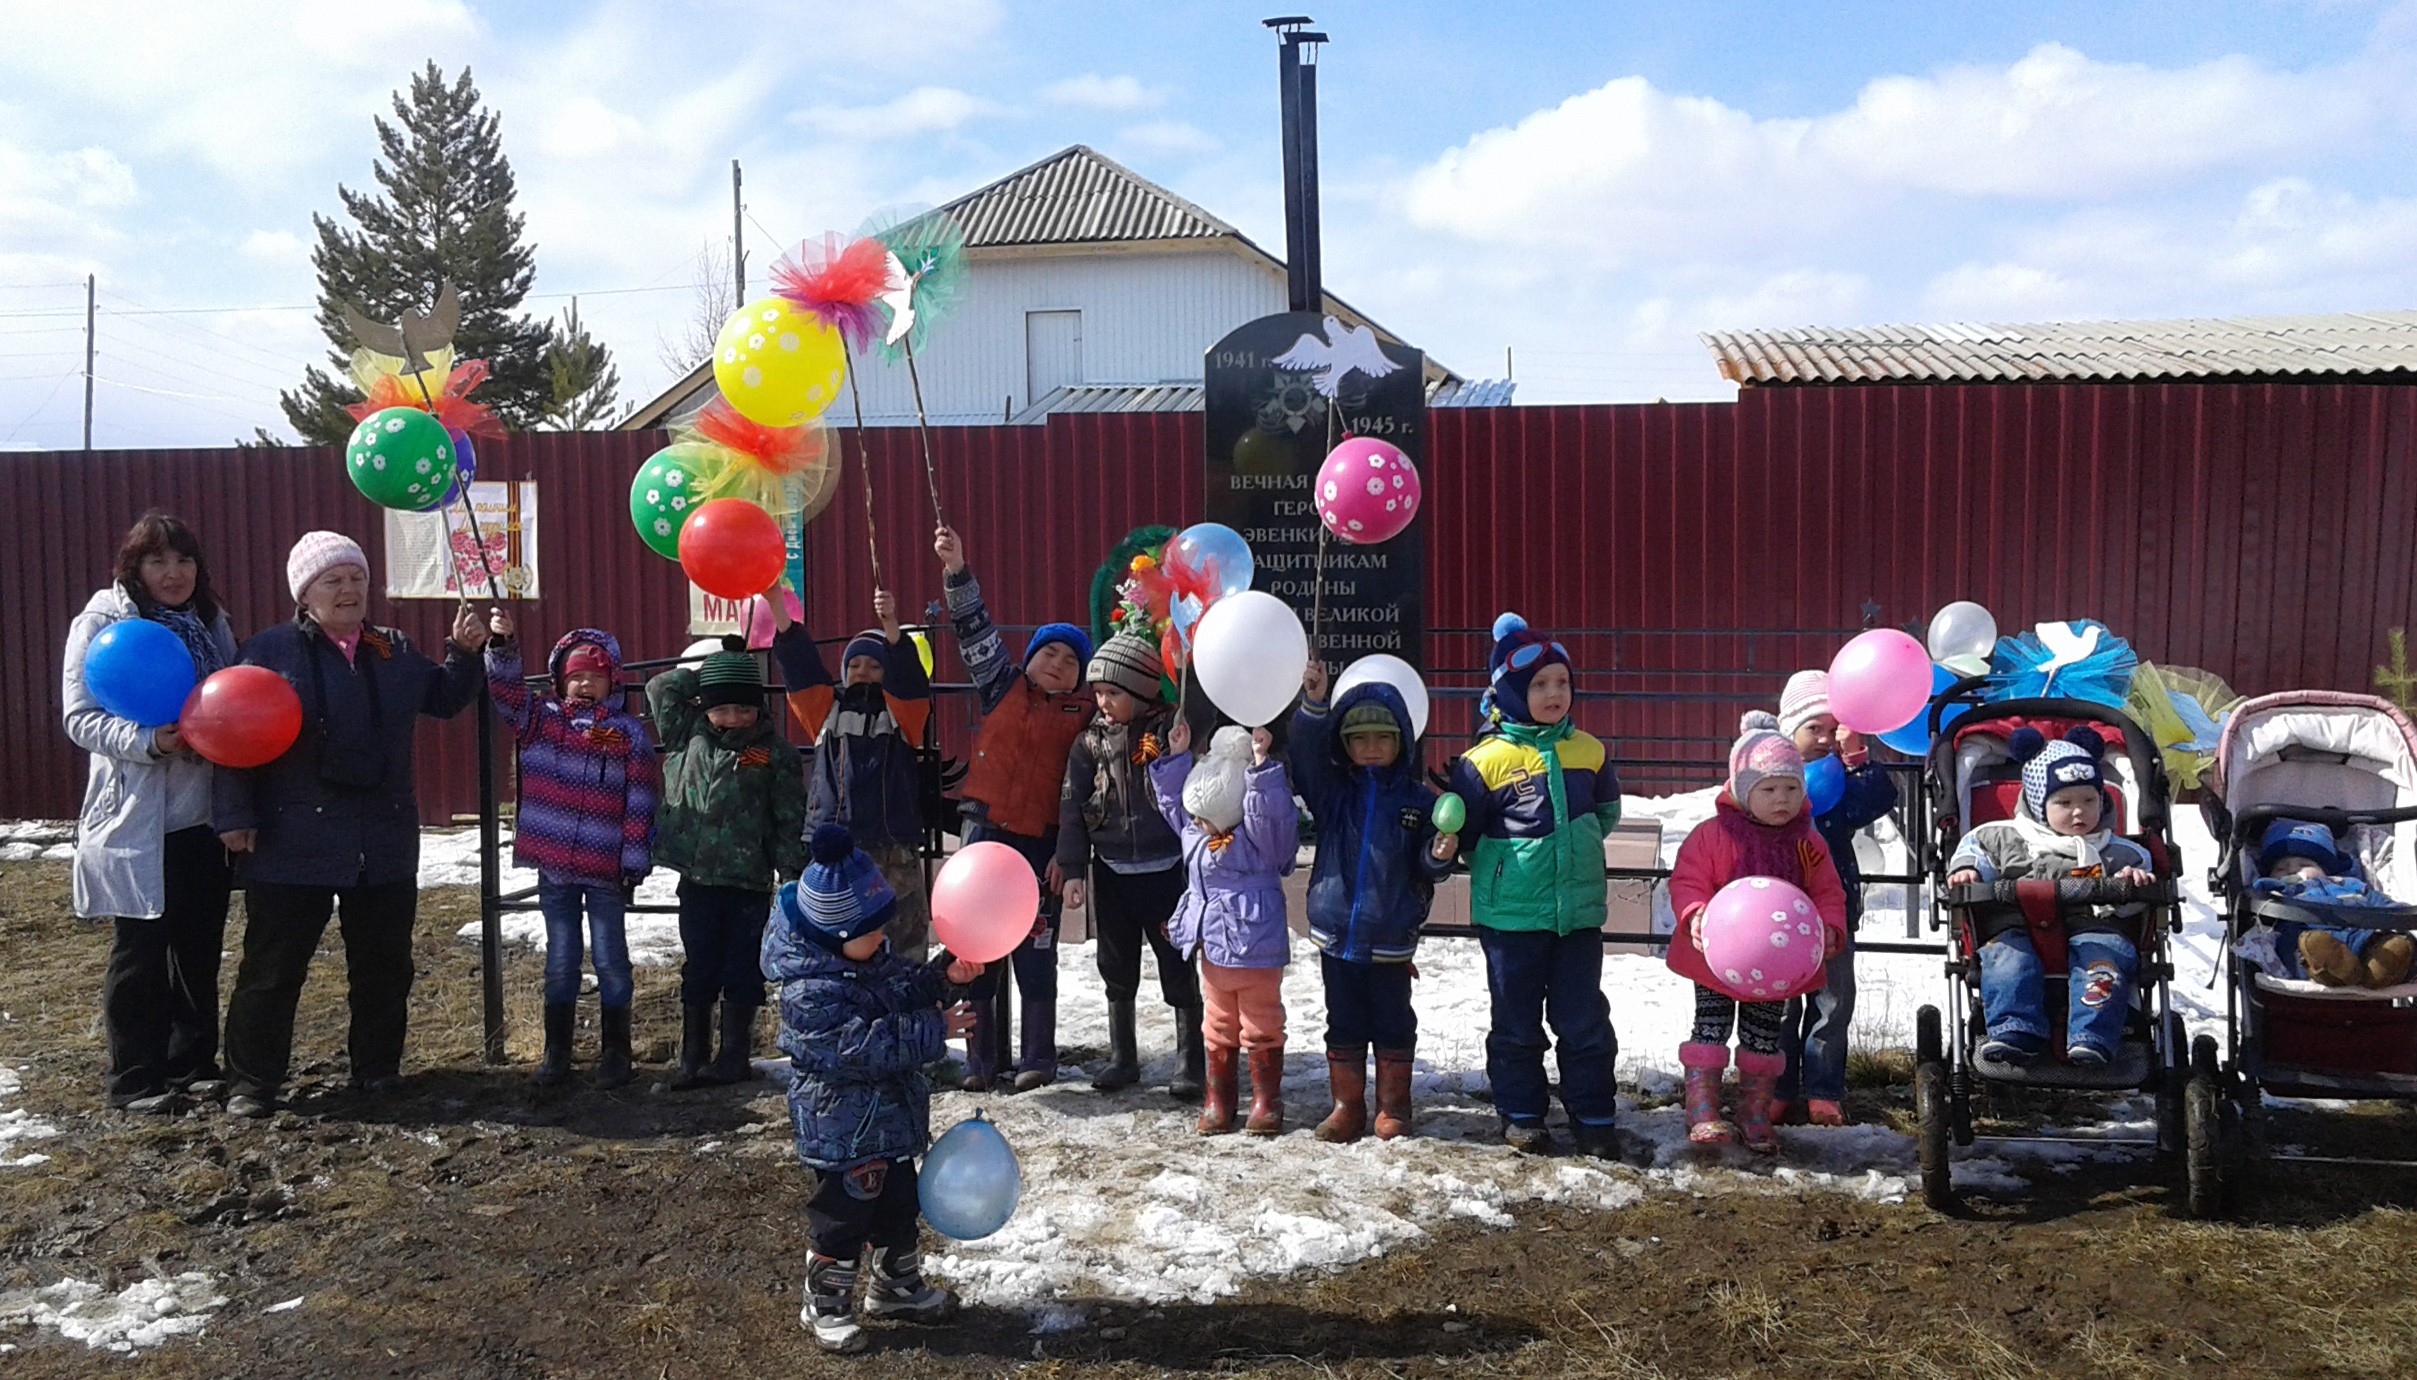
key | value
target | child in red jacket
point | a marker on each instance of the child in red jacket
(1760, 828)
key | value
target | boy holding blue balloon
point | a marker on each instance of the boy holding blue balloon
(859, 1022)
(1847, 794)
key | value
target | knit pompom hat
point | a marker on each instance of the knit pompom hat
(842, 894)
(1214, 791)
(2072, 760)
(1760, 753)
(318, 553)
(1806, 698)
(730, 676)
(1519, 653)
(1129, 663)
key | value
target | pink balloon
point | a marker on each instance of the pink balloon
(1879, 681)
(755, 616)
(1762, 939)
(984, 902)
(1367, 491)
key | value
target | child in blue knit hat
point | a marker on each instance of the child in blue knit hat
(2301, 861)
(859, 1023)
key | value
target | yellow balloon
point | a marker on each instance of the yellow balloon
(923, 651)
(778, 365)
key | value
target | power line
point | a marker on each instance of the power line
(186, 397)
(54, 392)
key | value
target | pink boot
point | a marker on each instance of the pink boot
(1758, 1079)
(1704, 1063)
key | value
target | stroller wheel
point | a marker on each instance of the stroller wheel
(1929, 1046)
(1930, 1101)
(2204, 1132)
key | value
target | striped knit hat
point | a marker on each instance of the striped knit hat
(730, 676)
(870, 643)
(1130, 664)
(1759, 754)
(1806, 698)
(842, 895)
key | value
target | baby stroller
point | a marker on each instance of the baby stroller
(1972, 779)
(2348, 762)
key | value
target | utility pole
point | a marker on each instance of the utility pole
(1297, 84)
(88, 316)
(738, 240)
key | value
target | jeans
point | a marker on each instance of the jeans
(1129, 910)
(282, 925)
(1814, 1034)
(1534, 976)
(2100, 968)
(873, 1204)
(1368, 1004)
(1034, 964)
(159, 997)
(1761, 1025)
(722, 938)
(560, 902)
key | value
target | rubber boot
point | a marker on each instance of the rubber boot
(1191, 1075)
(982, 1047)
(735, 1062)
(1221, 1089)
(696, 1045)
(1347, 1075)
(555, 1067)
(1704, 1063)
(1266, 1092)
(1758, 1086)
(896, 1289)
(1038, 1062)
(612, 1060)
(1124, 1055)
(1393, 1067)
(830, 1311)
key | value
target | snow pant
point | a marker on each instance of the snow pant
(1129, 909)
(910, 929)
(281, 931)
(1759, 1023)
(561, 902)
(871, 1205)
(1814, 1034)
(2098, 965)
(1534, 976)
(159, 996)
(1368, 1004)
(722, 940)
(1034, 964)
(1245, 1007)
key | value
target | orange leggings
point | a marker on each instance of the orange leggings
(1245, 1007)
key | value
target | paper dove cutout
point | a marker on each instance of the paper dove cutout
(1345, 348)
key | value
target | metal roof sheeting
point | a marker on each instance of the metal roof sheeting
(2346, 345)
(1079, 196)
(1179, 396)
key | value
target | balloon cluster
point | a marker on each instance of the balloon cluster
(242, 716)
(1193, 597)
(1166, 591)
(1883, 683)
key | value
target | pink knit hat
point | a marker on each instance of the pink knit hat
(1806, 699)
(1760, 753)
(318, 553)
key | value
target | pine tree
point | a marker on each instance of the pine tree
(443, 214)
(586, 387)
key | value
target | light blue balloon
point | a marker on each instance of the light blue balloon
(1913, 738)
(139, 670)
(1217, 552)
(970, 1181)
(1185, 613)
(1824, 784)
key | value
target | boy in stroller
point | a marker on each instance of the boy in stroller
(2060, 831)
(2303, 862)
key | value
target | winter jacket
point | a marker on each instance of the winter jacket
(1375, 873)
(865, 774)
(1108, 807)
(734, 802)
(1232, 912)
(590, 777)
(1870, 794)
(133, 798)
(1540, 798)
(2023, 849)
(1019, 764)
(1731, 845)
(858, 1036)
(338, 809)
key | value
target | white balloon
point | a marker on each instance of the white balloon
(1393, 671)
(1249, 652)
(700, 649)
(1962, 629)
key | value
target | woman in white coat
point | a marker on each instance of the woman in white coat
(147, 858)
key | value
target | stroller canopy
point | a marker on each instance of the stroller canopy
(2318, 750)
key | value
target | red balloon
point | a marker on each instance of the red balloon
(243, 716)
(732, 548)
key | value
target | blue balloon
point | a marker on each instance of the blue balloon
(1913, 738)
(139, 670)
(970, 1182)
(1824, 784)
(465, 469)
(1217, 552)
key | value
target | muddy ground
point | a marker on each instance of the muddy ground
(474, 1228)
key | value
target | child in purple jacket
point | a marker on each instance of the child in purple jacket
(1235, 813)
(590, 780)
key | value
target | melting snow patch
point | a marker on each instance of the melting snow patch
(17, 1125)
(143, 1314)
(286, 1307)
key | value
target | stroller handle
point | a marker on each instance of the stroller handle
(2079, 891)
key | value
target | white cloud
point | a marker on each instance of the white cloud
(1167, 139)
(274, 246)
(1092, 91)
(924, 110)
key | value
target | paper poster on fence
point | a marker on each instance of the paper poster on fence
(417, 566)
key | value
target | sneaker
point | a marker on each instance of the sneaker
(898, 1290)
(152, 1104)
(248, 1107)
(1821, 1111)
(2012, 1048)
(1528, 1139)
(2086, 1057)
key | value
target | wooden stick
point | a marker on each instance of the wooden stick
(923, 428)
(478, 539)
(864, 467)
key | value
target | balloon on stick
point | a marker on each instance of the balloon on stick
(984, 901)
(1367, 491)
(1384, 668)
(1962, 629)
(401, 457)
(243, 716)
(777, 364)
(1249, 652)
(1762, 939)
(139, 670)
(1216, 554)
(970, 1182)
(1878, 681)
(732, 548)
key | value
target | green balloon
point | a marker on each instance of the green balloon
(400, 458)
(664, 494)
(1451, 812)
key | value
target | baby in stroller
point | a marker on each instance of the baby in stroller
(2302, 861)
(2060, 831)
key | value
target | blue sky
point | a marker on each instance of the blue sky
(1589, 185)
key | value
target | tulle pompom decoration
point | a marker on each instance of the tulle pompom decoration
(781, 469)
(443, 388)
(839, 281)
(930, 276)
(2080, 660)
